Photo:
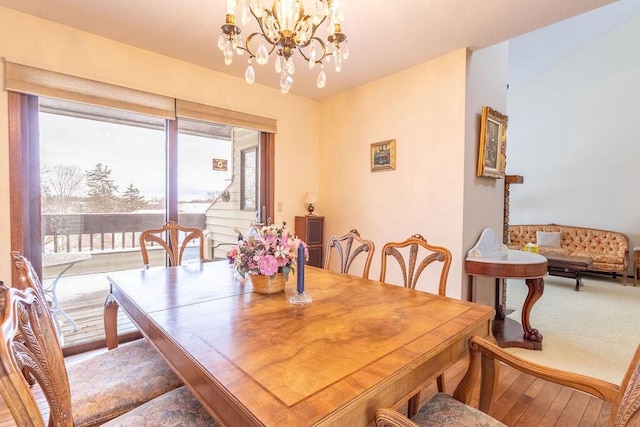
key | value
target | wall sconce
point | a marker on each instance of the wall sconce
(310, 199)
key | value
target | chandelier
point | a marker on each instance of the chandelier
(284, 28)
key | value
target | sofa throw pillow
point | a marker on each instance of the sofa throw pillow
(550, 239)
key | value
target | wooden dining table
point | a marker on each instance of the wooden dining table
(255, 360)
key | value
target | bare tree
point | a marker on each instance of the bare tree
(61, 185)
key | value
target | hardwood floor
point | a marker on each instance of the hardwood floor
(521, 401)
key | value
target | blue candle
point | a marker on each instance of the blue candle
(301, 262)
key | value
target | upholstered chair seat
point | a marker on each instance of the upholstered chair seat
(443, 410)
(175, 408)
(104, 387)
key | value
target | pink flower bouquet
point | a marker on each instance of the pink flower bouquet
(269, 250)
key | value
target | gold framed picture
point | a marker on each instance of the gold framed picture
(383, 156)
(492, 155)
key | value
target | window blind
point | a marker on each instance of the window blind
(192, 110)
(36, 81)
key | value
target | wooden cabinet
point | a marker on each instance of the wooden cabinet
(310, 228)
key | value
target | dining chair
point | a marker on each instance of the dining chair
(485, 358)
(346, 253)
(30, 353)
(113, 382)
(174, 249)
(408, 262)
(407, 254)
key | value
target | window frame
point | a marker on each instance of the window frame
(245, 180)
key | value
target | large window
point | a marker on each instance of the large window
(104, 175)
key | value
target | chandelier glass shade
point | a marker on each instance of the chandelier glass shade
(284, 27)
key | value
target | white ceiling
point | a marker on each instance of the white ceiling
(384, 36)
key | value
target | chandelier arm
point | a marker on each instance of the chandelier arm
(324, 55)
(262, 27)
(314, 27)
(248, 40)
(251, 54)
(322, 44)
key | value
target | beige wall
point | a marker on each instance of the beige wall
(32, 41)
(424, 109)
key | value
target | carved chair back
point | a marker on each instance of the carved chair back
(626, 410)
(345, 251)
(29, 348)
(174, 250)
(28, 279)
(26, 274)
(410, 266)
(407, 255)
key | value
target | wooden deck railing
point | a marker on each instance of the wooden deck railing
(109, 231)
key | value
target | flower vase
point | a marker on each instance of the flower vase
(266, 285)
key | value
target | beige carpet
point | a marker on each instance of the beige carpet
(593, 332)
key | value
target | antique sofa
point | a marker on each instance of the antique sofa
(608, 249)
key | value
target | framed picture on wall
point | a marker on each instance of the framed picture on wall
(492, 155)
(383, 156)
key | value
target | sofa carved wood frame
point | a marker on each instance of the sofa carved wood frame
(608, 249)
